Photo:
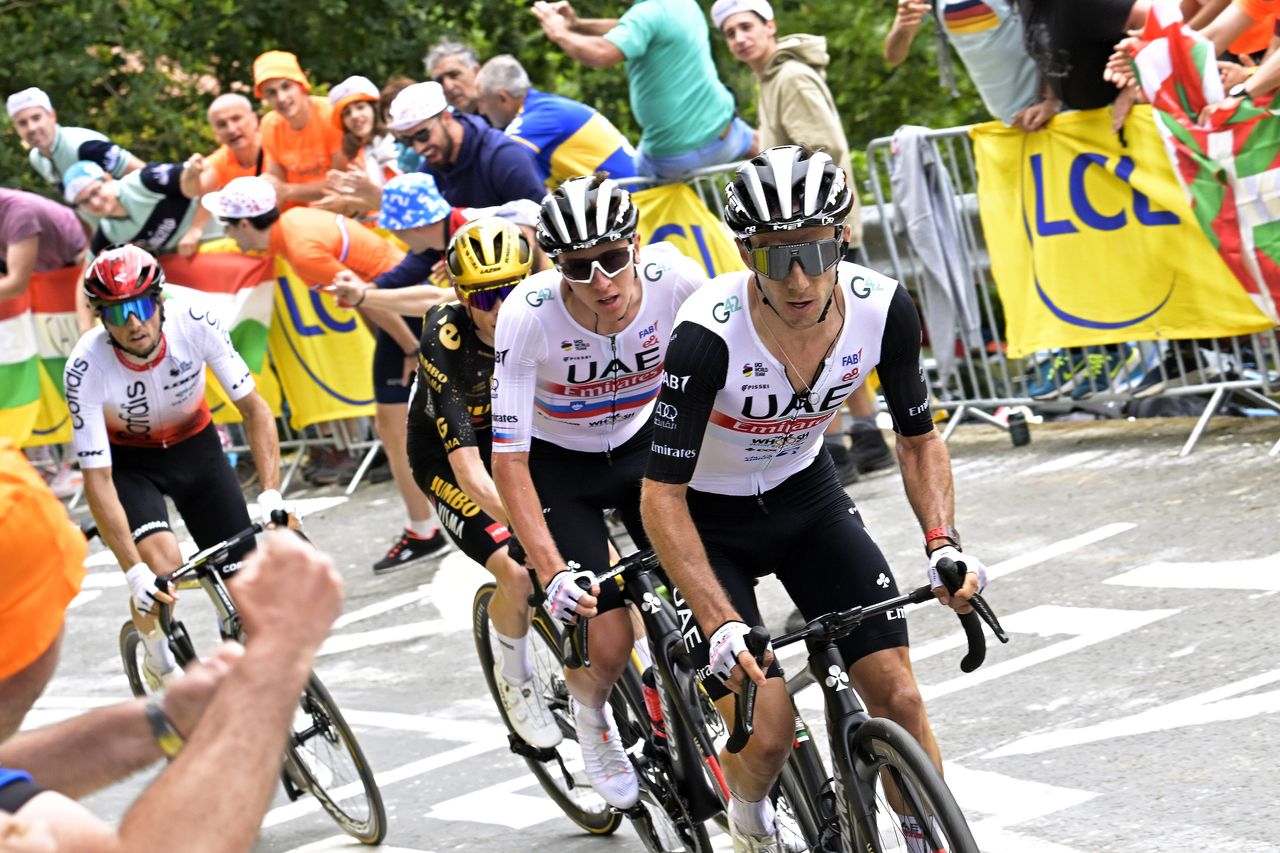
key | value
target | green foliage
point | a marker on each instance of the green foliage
(143, 71)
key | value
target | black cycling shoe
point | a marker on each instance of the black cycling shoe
(870, 451)
(846, 468)
(410, 547)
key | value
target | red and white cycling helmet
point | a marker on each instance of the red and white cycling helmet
(123, 272)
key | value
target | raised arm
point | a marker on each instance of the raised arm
(897, 44)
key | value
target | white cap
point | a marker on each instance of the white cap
(242, 198)
(356, 85)
(415, 104)
(722, 9)
(32, 97)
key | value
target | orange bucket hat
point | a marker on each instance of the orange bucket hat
(277, 65)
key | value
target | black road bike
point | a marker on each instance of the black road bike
(322, 756)
(881, 772)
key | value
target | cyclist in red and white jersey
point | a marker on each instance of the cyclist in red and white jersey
(578, 354)
(142, 429)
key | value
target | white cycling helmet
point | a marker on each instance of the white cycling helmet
(583, 212)
(786, 188)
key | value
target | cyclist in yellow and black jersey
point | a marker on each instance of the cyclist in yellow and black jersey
(450, 442)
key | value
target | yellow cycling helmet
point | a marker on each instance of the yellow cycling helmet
(486, 253)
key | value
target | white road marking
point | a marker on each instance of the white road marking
(307, 805)
(1009, 801)
(1262, 574)
(1068, 462)
(1214, 706)
(83, 597)
(441, 728)
(499, 805)
(1085, 625)
(1057, 549)
(422, 593)
(346, 842)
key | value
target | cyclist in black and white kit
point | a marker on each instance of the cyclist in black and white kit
(579, 360)
(450, 443)
(739, 485)
(141, 430)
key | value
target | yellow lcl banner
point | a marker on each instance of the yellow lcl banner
(1093, 242)
(675, 213)
(323, 353)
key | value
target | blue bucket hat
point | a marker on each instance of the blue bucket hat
(78, 176)
(411, 201)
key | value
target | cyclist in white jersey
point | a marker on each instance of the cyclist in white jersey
(579, 352)
(141, 430)
(739, 484)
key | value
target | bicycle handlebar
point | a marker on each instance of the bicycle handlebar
(833, 626)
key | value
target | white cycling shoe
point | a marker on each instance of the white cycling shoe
(606, 761)
(157, 679)
(526, 712)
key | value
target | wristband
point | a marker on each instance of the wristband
(945, 532)
(359, 301)
(166, 734)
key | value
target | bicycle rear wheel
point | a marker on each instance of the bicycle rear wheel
(560, 770)
(326, 760)
(884, 750)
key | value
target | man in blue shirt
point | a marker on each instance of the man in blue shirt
(686, 113)
(567, 138)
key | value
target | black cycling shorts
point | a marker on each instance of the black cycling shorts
(388, 365)
(808, 533)
(577, 487)
(195, 475)
(472, 529)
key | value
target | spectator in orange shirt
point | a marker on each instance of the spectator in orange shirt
(318, 245)
(299, 135)
(237, 129)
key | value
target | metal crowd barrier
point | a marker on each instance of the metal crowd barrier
(1100, 378)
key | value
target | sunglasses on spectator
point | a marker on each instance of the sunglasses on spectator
(488, 299)
(815, 257)
(260, 222)
(423, 136)
(582, 270)
(118, 313)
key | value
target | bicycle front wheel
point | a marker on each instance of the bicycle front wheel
(326, 760)
(560, 770)
(131, 654)
(907, 785)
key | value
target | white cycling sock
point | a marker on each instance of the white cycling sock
(755, 818)
(516, 664)
(424, 529)
(158, 648)
(596, 718)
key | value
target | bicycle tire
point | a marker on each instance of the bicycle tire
(667, 824)
(574, 795)
(131, 651)
(883, 745)
(318, 720)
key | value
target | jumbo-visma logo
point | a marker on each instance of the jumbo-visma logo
(1075, 211)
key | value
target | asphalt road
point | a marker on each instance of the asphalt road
(1133, 710)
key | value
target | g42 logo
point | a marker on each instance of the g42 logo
(722, 310)
(538, 297)
(863, 287)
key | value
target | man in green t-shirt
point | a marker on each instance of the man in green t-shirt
(53, 147)
(151, 208)
(685, 112)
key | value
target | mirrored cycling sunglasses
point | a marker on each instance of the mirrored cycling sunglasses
(487, 299)
(581, 270)
(774, 262)
(118, 313)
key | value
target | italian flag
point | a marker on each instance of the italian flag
(1229, 167)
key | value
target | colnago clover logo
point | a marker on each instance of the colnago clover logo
(837, 678)
(651, 603)
(882, 581)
